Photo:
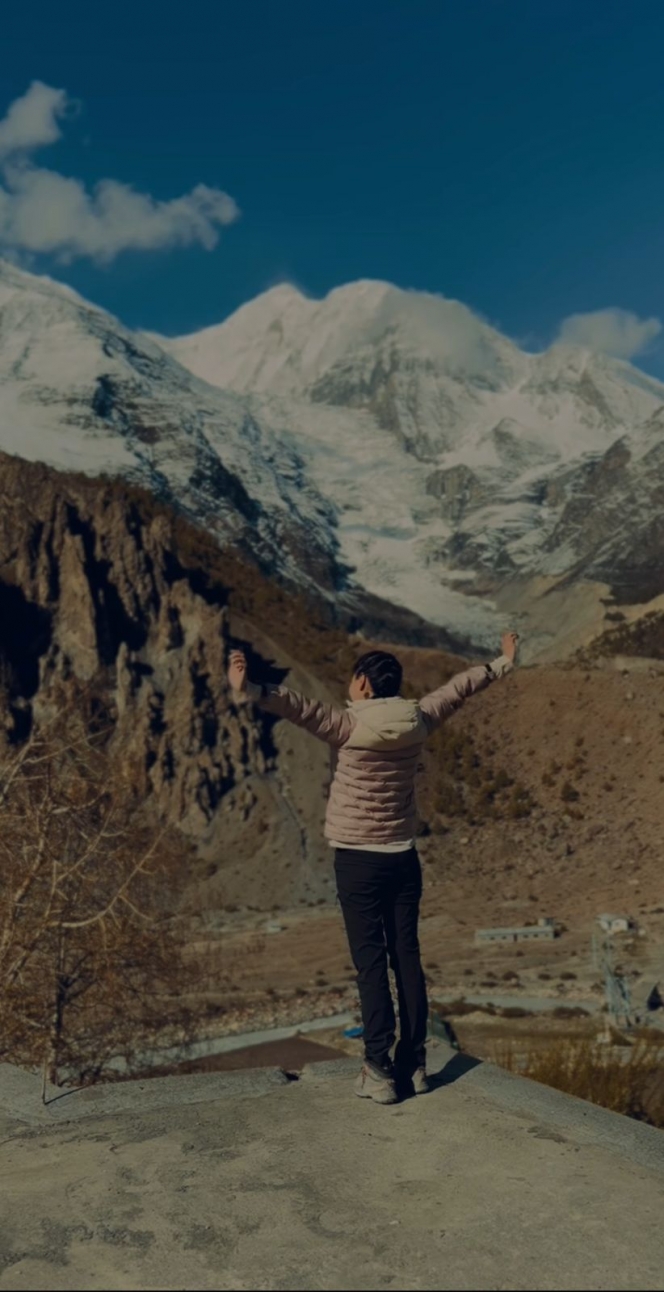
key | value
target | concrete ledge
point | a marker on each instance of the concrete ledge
(557, 1114)
(490, 1181)
(582, 1122)
(21, 1094)
(341, 1067)
(561, 1117)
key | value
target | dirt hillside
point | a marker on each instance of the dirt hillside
(585, 747)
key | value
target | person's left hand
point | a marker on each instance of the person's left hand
(238, 675)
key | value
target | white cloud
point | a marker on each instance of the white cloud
(32, 120)
(43, 212)
(616, 332)
(447, 328)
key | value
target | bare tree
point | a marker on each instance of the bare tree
(91, 963)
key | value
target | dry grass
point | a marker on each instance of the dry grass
(464, 778)
(627, 1079)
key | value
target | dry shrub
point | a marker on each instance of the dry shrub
(463, 779)
(91, 965)
(459, 1008)
(630, 1082)
(645, 637)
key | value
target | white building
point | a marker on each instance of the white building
(615, 923)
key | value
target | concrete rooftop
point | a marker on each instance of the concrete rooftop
(250, 1181)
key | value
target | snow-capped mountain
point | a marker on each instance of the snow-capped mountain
(459, 466)
(391, 433)
(82, 393)
(428, 369)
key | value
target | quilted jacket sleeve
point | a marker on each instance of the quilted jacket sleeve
(440, 704)
(325, 721)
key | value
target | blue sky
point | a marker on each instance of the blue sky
(508, 153)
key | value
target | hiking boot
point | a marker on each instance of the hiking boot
(410, 1080)
(421, 1083)
(374, 1085)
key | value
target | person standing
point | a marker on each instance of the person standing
(371, 823)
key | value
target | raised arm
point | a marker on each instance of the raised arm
(325, 721)
(439, 704)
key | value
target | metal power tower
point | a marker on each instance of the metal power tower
(617, 991)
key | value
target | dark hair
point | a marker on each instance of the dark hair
(383, 672)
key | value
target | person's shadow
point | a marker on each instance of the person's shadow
(455, 1067)
(453, 1070)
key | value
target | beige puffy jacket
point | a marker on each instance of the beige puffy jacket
(378, 744)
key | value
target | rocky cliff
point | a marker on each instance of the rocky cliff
(107, 602)
(113, 600)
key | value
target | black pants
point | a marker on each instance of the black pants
(380, 896)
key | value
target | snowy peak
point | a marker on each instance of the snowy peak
(14, 280)
(618, 390)
(284, 343)
(430, 372)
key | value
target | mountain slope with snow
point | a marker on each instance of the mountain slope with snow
(456, 462)
(393, 434)
(80, 392)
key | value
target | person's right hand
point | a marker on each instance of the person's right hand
(509, 644)
(238, 675)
